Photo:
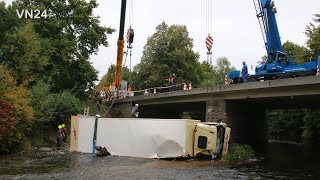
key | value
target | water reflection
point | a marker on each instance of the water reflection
(287, 160)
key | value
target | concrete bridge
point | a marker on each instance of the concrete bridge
(242, 106)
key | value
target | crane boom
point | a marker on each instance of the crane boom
(267, 15)
(120, 44)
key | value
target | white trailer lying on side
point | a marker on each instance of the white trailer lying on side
(150, 138)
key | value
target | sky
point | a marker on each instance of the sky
(235, 29)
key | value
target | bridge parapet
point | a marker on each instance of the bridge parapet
(283, 87)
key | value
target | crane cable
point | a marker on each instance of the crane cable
(130, 32)
(209, 42)
(129, 39)
(130, 36)
(209, 39)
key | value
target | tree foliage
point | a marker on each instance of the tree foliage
(215, 75)
(109, 77)
(54, 49)
(299, 53)
(221, 69)
(168, 50)
(49, 59)
(22, 51)
(16, 116)
(311, 133)
(313, 34)
(52, 109)
(286, 124)
(8, 20)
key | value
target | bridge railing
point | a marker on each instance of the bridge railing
(153, 90)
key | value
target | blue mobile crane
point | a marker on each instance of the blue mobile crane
(277, 65)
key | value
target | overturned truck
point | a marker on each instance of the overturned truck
(150, 138)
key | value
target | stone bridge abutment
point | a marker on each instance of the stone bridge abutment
(247, 119)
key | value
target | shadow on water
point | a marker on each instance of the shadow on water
(29, 162)
(285, 160)
(181, 164)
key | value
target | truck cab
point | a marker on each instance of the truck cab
(211, 138)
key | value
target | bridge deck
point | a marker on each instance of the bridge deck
(300, 86)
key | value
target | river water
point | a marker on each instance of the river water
(282, 161)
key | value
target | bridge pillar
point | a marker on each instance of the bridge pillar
(246, 119)
(122, 110)
(215, 110)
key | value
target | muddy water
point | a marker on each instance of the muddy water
(283, 161)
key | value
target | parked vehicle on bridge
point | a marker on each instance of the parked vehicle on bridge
(278, 64)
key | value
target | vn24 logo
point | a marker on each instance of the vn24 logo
(33, 13)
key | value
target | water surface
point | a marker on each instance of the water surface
(282, 161)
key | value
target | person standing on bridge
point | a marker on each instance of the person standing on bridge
(190, 85)
(244, 72)
(170, 82)
(174, 81)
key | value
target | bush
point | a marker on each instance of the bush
(53, 109)
(239, 152)
(285, 124)
(63, 106)
(16, 116)
(311, 133)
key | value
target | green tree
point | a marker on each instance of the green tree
(53, 109)
(313, 34)
(62, 106)
(168, 50)
(8, 20)
(75, 34)
(311, 133)
(16, 116)
(286, 124)
(60, 44)
(299, 53)
(263, 59)
(23, 51)
(215, 75)
(208, 72)
(109, 77)
(221, 69)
